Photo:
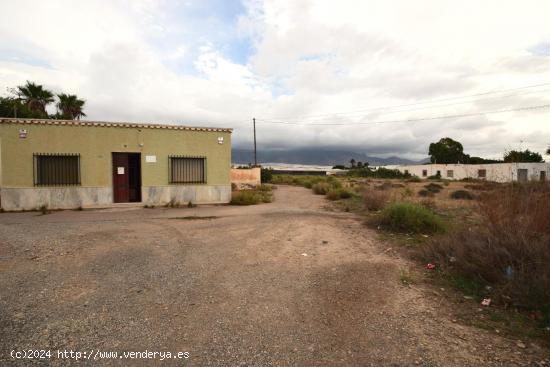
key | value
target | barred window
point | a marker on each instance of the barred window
(187, 169)
(53, 169)
(481, 173)
(424, 172)
(450, 173)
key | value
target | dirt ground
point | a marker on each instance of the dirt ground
(280, 284)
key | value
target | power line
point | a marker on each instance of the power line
(343, 117)
(304, 117)
(411, 119)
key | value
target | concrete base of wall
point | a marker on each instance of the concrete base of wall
(183, 194)
(15, 199)
(32, 198)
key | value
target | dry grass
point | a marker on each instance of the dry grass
(509, 249)
(375, 199)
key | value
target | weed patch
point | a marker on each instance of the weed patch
(250, 197)
(411, 218)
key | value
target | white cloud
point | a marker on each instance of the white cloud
(136, 60)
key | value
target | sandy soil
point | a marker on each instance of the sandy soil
(280, 284)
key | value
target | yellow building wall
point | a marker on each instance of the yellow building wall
(95, 145)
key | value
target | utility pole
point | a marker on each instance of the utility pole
(255, 159)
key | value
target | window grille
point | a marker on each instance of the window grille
(56, 169)
(184, 169)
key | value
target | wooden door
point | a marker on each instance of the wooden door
(121, 181)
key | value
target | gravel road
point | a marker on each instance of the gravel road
(280, 284)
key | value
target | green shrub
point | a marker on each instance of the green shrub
(321, 188)
(344, 194)
(245, 198)
(266, 174)
(250, 197)
(433, 187)
(410, 217)
(462, 194)
(414, 179)
(333, 182)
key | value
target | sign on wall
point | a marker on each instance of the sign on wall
(22, 133)
(151, 158)
(120, 170)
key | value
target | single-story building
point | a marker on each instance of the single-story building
(62, 164)
(498, 172)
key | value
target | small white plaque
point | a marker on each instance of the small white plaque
(120, 170)
(220, 139)
(151, 158)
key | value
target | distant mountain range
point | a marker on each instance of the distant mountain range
(313, 156)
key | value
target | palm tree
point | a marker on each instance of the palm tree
(70, 107)
(35, 97)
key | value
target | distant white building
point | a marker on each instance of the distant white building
(498, 172)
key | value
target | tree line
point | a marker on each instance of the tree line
(30, 101)
(449, 151)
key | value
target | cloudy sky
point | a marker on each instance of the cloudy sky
(314, 73)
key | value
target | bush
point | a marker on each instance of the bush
(412, 218)
(414, 179)
(266, 174)
(509, 250)
(461, 195)
(433, 187)
(337, 194)
(334, 182)
(333, 195)
(375, 199)
(344, 194)
(321, 188)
